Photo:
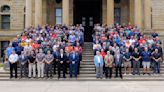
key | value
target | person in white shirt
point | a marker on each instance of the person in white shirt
(13, 59)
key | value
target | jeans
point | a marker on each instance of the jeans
(73, 67)
(23, 70)
(157, 67)
(99, 72)
(108, 70)
(48, 69)
(136, 67)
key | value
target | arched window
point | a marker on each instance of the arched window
(5, 17)
(5, 8)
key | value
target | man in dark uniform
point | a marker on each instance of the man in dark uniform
(62, 63)
(56, 59)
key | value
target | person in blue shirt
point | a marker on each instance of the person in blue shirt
(146, 57)
(127, 61)
(72, 38)
(19, 49)
(9, 50)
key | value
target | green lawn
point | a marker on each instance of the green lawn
(1, 65)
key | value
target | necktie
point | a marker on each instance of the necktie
(108, 60)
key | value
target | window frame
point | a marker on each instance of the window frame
(58, 16)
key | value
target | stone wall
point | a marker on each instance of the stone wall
(158, 15)
(16, 14)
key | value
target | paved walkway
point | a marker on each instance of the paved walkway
(33, 86)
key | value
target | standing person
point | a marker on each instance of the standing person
(13, 59)
(78, 49)
(62, 63)
(108, 64)
(99, 63)
(67, 60)
(73, 63)
(136, 61)
(146, 57)
(157, 61)
(48, 61)
(118, 63)
(127, 61)
(56, 59)
(40, 63)
(32, 64)
(9, 50)
(23, 64)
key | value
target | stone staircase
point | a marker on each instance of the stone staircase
(87, 71)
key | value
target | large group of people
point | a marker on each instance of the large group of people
(45, 51)
(125, 47)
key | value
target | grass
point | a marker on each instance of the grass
(1, 65)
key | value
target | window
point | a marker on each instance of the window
(5, 8)
(58, 16)
(4, 45)
(5, 22)
(5, 17)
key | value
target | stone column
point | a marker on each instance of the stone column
(104, 11)
(28, 16)
(147, 14)
(138, 13)
(38, 12)
(65, 13)
(131, 9)
(110, 12)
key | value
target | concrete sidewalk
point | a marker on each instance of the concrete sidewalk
(133, 86)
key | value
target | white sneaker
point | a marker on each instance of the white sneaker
(130, 74)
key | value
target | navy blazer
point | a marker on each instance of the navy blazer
(120, 62)
(62, 58)
(76, 59)
(56, 55)
(25, 59)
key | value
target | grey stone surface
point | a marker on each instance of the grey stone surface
(33, 86)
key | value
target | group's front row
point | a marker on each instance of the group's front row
(41, 63)
(129, 61)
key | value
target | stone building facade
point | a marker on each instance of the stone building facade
(15, 15)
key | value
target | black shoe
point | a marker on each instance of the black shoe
(116, 77)
(149, 74)
(64, 76)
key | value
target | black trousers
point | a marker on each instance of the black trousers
(61, 67)
(78, 66)
(66, 67)
(55, 64)
(13, 67)
(118, 70)
(108, 72)
(48, 70)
